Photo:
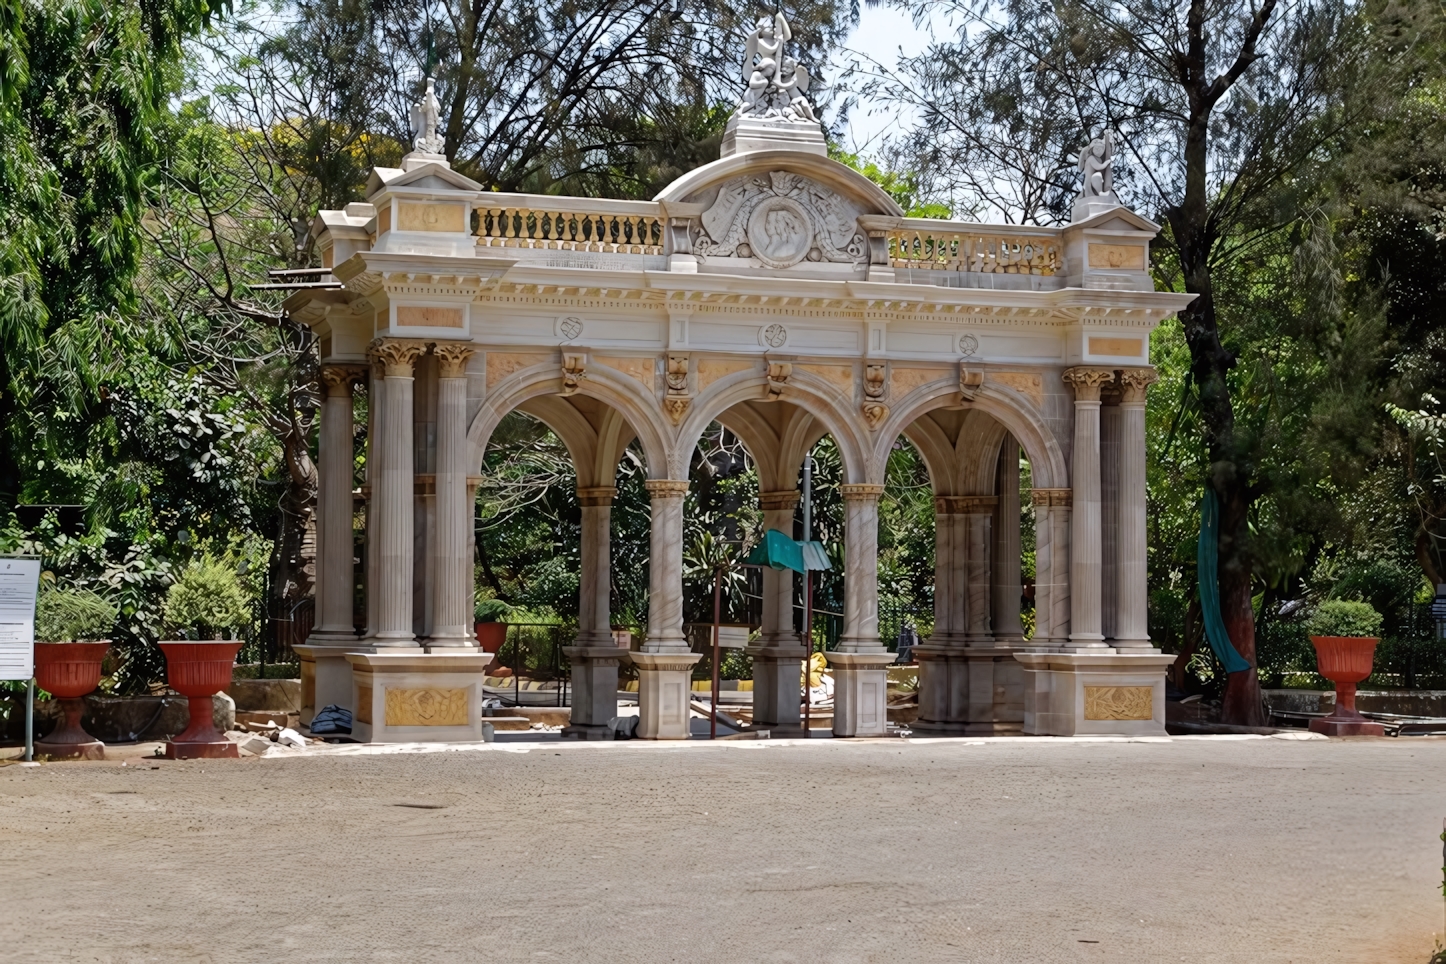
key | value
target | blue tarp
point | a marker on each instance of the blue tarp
(1207, 559)
(778, 551)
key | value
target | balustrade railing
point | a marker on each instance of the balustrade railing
(520, 222)
(937, 247)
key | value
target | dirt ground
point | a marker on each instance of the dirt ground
(1204, 850)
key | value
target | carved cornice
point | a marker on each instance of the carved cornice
(860, 492)
(338, 379)
(596, 495)
(1051, 497)
(1087, 381)
(452, 358)
(398, 356)
(1135, 382)
(782, 499)
(666, 488)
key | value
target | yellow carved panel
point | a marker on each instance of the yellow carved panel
(384, 219)
(638, 368)
(905, 380)
(363, 704)
(1119, 702)
(1025, 383)
(413, 216)
(1125, 347)
(710, 370)
(500, 364)
(1128, 256)
(839, 376)
(417, 316)
(428, 706)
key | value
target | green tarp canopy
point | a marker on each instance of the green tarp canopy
(780, 552)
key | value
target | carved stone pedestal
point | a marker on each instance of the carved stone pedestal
(977, 691)
(594, 691)
(860, 693)
(778, 690)
(1072, 694)
(325, 677)
(664, 688)
(417, 697)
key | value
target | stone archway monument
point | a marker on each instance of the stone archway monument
(788, 297)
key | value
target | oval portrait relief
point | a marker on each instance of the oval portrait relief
(779, 232)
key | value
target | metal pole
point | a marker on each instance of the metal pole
(717, 616)
(30, 719)
(807, 597)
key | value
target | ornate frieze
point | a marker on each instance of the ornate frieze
(780, 219)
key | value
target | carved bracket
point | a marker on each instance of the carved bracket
(574, 369)
(778, 373)
(677, 398)
(970, 381)
(874, 413)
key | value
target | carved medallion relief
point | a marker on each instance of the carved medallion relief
(781, 219)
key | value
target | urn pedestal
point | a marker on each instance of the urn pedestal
(198, 671)
(1345, 661)
(68, 671)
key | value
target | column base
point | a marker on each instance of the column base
(325, 676)
(1074, 694)
(594, 690)
(969, 692)
(860, 693)
(1338, 726)
(778, 689)
(417, 697)
(664, 691)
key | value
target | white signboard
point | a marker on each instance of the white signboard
(19, 579)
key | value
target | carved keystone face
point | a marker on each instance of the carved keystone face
(780, 232)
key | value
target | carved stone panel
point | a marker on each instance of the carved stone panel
(781, 219)
(1119, 702)
(430, 706)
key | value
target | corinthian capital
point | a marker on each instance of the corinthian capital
(452, 358)
(338, 379)
(1135, 381)
(398, 356)
(1088, 381)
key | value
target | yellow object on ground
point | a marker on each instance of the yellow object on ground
(816, 665)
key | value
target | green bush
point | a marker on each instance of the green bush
(206, 602)
(1341, 617)
(491, 611)
(72, 615)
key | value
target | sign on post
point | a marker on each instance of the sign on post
(19, 579)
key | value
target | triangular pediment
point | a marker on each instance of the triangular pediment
(425, 177)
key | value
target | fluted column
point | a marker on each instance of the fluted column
(665, 573)
(453, 586)
(393, 493)
(334, 466)
(1133, 630)
(1085, 541)
(948, 606)
(978, 514)
(1008, 631)
(861, 569)
(1051, 565)
(376, 393)
(594, 617)
(777, 624)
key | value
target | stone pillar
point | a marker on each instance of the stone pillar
(334, 571)
(978, 514)
(665, 664)
(1051, 564)
(778, 657)
(860, 681)
(453, 589)
(594, 656)
(1109, 513)
(1085, 537)
(376, 395)
(1133, 628)
(943, 673)
(393, 495)
(1008, 630)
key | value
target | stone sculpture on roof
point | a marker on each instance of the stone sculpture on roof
(424, 121)
(776, 83)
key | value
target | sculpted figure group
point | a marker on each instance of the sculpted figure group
(777, 83)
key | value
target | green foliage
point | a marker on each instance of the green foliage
(1343, 617)
(73, 615)
(206, 601)
(492, 611)
(902, 186)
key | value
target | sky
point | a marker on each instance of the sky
(883, 32)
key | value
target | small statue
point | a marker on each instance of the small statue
(424, 122)
(776, 84)
(792, 85)
(1097, 162)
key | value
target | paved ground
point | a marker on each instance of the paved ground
(1251, 851)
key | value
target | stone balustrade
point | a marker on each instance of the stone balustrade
(975, 248)
(569, 224)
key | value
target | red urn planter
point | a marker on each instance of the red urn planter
(491, 636)
(1345, 661)
(198, 671)
(68, 671)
